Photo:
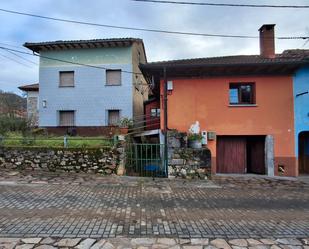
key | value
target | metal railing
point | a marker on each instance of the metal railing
(145, 160)
(62, 142)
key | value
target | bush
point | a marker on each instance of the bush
(126, 123)
(195, 137)
(13, 124)
(39, 132)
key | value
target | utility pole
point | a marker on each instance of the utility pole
(165, 120)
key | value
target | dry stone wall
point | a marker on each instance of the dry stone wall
(105, 161)
(187, 162)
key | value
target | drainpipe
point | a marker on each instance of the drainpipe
(165, 121)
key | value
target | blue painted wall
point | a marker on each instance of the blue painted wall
(90, 98)
(301, 103)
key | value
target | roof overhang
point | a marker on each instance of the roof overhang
(81, 44)
(209, 70)
(29, 88)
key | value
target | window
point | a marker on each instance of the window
(66, 118)
(113, 117)
(242, 93)
(66, 79)
(155, 113)
(113, 77)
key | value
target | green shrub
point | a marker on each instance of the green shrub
(195, 137)
(39, 132)
(126, 123)
(13, 124)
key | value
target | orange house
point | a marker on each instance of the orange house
(245, 101)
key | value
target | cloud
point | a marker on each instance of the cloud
(242, 21)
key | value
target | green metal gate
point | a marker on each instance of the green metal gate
(146, 160)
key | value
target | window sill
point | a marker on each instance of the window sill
(243, 105)
(114, 85)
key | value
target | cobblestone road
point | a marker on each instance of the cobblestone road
(138, 207)
(152, 243)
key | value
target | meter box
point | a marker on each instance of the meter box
(204, 137)
(211, 135)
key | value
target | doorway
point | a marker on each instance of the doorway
(303, 150)
(241, 154)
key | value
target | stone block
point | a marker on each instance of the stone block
(176, 162)
(31, 240)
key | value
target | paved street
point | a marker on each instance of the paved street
(101, 207)
(153, 243)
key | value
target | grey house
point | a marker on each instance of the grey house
(89, 84)
(32, 93)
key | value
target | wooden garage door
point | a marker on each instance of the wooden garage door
(256, 155)
(231, 155)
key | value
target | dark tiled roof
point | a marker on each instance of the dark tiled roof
(299, 53)
(283, 64)
(71, 44)
(286, 57)
(32, 87)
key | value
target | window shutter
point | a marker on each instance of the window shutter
(66, 79)
(113, 77)
(66, 118)
(113, 117)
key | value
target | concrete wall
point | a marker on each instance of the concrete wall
(207, 101)
(90, 98)
(95, 56)
(301, 106)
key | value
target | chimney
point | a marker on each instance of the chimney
(267, 41)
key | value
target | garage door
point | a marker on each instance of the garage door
(231, 155)
(256, 155)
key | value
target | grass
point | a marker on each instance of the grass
(17, 140)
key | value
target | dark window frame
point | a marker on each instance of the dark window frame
(238, 85)
(74, 118)
(108, 117)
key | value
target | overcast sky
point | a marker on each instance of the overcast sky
(15, 30)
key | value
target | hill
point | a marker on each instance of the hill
(11, 103)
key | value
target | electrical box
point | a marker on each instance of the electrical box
(204, 137)
(211, 135)
(44, 103)
(169, 85)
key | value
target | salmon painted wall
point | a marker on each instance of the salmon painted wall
(207, 101)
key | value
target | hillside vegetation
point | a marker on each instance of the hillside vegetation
(12, 104)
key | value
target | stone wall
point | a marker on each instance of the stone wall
(32, 111)
(105, 161)
(187, 162)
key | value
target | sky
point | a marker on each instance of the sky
(16, 30)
